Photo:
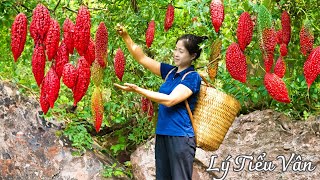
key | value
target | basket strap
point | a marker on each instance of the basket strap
(186, 74)
(187, 104)
(191, 118)
(186, 101)
(189, 110)
(169, 73)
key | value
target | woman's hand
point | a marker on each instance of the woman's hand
(127, 87)
(121, 30)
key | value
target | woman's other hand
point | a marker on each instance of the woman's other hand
(127, 87)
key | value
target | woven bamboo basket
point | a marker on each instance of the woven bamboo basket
(212, 117)
(214, 113)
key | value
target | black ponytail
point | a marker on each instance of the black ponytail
(191, 43)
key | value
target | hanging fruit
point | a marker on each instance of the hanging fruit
(69, 75)
(244, 30)
(83, 80)
(119, 63)
(280, 67)
(90, 53)
(217, 14)
(169, 17)
(236, 63)
(264, 19)
(276, 88)
(215, 57)
(286, 27)
(96, 73)
(311, 67)
(306, 40)
(150, 33)
(40, 23)
(18, 35)
(52, 39)
(269, 40)
(268, 61)
(38, 63)
(52, 83)
(61, 58)
(82, 30)
(97, 108)
(68, 31)
(44, 103)
(101, 45)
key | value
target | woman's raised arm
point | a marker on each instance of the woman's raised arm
(137, 52)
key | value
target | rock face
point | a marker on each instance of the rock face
(29, 148)
(260, 145)
(266, 143)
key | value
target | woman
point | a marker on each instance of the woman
(175, 143)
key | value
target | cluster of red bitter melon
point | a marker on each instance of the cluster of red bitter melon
(92, 60)
(50, 45)
(97, 69)
(270, 38)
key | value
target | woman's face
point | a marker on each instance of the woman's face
(181, 55)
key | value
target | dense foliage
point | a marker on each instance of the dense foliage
(193, 16)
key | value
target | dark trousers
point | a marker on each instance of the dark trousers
(174, 157)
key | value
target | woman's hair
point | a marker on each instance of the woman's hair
(191, 43)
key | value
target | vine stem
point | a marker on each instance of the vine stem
(69, 9)
(55, 8)
(29, 10)
(94, 9)
(99, 9)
